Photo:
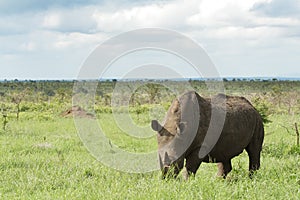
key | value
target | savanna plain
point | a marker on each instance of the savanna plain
(43, 157)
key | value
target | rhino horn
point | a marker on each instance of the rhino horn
(164, 159)
(167, 160)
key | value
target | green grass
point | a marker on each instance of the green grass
(43, 159)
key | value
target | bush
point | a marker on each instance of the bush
(262, 106)
(139, 109)
(103, 109)
(295, 150)
(37, 116)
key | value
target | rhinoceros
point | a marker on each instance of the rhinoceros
(190, 132)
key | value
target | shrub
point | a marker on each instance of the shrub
(295, 150)
(262, 106)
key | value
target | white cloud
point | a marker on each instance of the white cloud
(70, 20)
(169, 15)
(52, 20)
(211, 18)
(78, 40)
(214, 13)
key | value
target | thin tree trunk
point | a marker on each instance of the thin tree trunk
(297, 132)
(18, 111)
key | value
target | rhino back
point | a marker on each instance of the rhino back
(240, 127)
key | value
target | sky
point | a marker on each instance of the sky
(52, 39)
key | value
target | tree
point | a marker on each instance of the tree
(62, 94)
(152, 90)
(17, 98)
(263, 109)
(291, 101)
(277, 95)
(4, 116)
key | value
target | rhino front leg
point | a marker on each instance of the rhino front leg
(178, 167)
(224, 168)
(192, 164)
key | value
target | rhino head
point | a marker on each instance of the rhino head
(177, 133)
(168, 148)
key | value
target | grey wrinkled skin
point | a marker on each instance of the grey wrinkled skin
(186, 124)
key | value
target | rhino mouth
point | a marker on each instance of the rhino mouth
(165, 160)
(172, 170)
(165, 163)
(165, 171)
(170, 167)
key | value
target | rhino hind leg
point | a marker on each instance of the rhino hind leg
(253, 150)
(224, 168)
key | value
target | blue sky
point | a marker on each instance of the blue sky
(51, 39)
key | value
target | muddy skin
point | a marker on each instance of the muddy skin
(242, 130)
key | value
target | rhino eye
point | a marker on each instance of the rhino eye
(180, 128)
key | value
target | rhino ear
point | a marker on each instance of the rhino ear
(181, 127)
(155, 125)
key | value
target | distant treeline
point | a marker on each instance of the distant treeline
(271, 96)
(231, 85)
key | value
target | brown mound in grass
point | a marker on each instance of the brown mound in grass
(77, 111)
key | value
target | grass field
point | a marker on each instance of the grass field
(45, 159)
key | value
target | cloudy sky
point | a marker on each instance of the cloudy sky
(52, 39)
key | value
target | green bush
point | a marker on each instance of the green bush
(37, 116)
(103, 109)
(262, 106)
(295, 150)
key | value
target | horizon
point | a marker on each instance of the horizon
(162, 79)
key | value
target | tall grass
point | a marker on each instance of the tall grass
(45, 159)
